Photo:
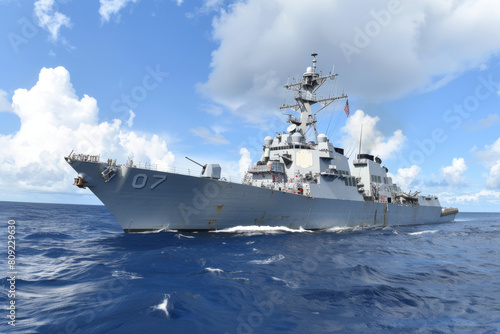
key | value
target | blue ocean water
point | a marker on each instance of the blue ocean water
(79, 273)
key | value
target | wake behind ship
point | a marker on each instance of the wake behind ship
(296, 183)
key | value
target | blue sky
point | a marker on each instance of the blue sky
(160, 80)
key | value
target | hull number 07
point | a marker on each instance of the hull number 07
(140, 181)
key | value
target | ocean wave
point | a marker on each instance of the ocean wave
(178, 236)
(289, 284)
(246, 280)
(272, 259)
(424, 232)
(340, 229)
(164, 229)
(48, 235)
(125, 274)
(213, 270)
(163, 306)
(258, 230)
(91, 276)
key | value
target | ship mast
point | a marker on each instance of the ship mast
(305, 97)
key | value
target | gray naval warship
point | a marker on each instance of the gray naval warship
(296, 183)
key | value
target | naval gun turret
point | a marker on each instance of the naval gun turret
(212, 171)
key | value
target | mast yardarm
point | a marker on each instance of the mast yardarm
(305, 97)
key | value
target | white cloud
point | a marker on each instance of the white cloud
(453, 175)
(491, 153)
(244, 162)
(421, 46)
(112, 7)
(374, 141)
(4, 102)
(49, 19)
(406, 178)
(209, 137)
(489, 196)
(490, 156)
(493, 180)
(207, 7)
(55, 121)
(212, 109)
(130, 121)
(482, 123)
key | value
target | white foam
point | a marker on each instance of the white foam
(156, 231)
(339, 229)
(184, 236)
(242, 279)
(255, 230)
(423, 232)
(125, 274)
(163, 305)
(272, 259)
(289, 284)
(214, 270)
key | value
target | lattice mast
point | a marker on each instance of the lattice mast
(305, 97)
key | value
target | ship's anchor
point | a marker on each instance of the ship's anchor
(80, 182)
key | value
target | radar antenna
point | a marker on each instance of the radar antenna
(305, 97)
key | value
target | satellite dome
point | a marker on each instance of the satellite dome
(268, 140)
(296, 137)
(322, 138)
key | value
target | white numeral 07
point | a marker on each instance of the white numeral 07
(140, 181)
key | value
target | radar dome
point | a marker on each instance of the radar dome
(322, 138)
(268, 140)
(296, 137)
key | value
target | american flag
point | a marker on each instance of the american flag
(346, 108)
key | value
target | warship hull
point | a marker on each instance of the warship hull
(150, 200)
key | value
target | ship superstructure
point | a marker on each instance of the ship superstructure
(297, 183)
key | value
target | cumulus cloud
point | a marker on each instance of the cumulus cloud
(50, 19)
(208, 136)
(490, 156)
(112, 7)
(406, 178)
(453, 175)
(490, 196)
(244, 162)
(130, 121)
(4, 102)
(374, 141)
(413, 46)
(493, 180)
(54, 121)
